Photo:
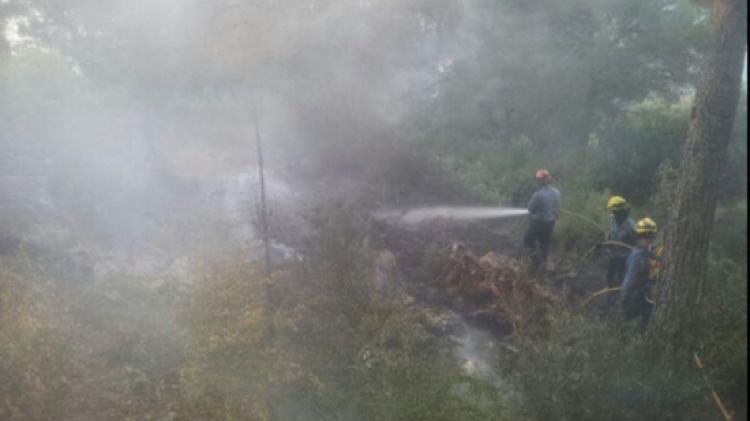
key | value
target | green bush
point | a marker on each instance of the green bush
(585, 368)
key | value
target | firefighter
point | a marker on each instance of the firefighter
(622, 239)
(544, 208)
(640, 274)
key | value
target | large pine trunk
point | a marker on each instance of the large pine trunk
(675, 321)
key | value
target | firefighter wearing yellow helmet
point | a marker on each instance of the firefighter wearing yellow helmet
(640, 274)
(646, 228)
(617, 203)
(621, 238)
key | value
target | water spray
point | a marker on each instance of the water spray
(419, 215)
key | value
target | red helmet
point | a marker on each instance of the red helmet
(542, 175)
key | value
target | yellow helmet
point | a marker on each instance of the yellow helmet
(616, 203)
(645, 227)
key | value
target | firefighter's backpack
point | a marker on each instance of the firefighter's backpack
(654, 271)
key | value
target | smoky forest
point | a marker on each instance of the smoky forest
(373, 210)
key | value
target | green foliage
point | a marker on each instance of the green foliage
(561, 72)
(729, 235)
(640, 146)
(725, 307)
(227, 363)
(586, 368)
(583, 223)
(493, 171)
(319, 341)
(647, 134)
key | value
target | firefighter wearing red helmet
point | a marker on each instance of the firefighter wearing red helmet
(544, 208)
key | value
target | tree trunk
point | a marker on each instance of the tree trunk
(675, 321)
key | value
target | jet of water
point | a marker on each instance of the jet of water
(419, 215)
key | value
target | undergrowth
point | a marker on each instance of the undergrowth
(318, 340)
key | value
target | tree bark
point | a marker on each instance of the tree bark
(673, 331)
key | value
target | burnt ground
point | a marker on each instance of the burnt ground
(472, 268)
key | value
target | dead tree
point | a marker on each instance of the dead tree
(262, 218)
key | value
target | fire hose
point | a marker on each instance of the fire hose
(594, 248)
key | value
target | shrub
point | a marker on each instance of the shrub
(38, 367)
(585, 368)
(318, 340)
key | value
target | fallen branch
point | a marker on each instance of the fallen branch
(717, 400)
